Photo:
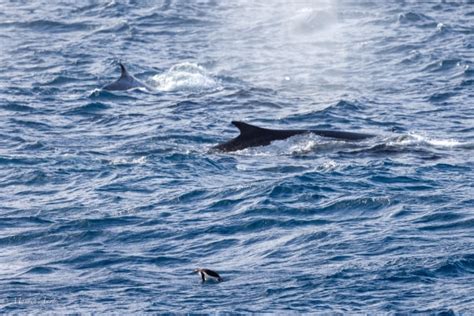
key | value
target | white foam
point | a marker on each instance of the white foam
(327, 166)
(444, 142)
(186, 76)
(296, 145)
(124, 161)
(418, 139)
(303, 147)
(440, 27)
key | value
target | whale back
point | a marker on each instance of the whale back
(253, 136)
(125, 82)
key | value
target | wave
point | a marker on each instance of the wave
(444, 65)
(89, 108)
(186, 77)
(418, 139)
(15, 107)
(47, 26)
(418, 19)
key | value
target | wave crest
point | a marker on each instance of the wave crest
(186, 76)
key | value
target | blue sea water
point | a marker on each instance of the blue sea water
(109, 200)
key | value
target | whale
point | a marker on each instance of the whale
(254, 136)
(125, 82)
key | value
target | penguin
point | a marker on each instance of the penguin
(207, 274)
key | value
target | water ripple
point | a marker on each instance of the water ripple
(110, 200)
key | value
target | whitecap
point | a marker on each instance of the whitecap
(186, 76)
(418, 139)
(303, 147)
(440, 27)
(328, 165)
(126, 161)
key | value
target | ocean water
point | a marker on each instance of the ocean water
(109, 200)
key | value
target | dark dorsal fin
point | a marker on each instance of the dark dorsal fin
(247, 129)
(123, 71)
(253, 136)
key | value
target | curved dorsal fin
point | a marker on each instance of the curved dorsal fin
(247, 129)
(123, 71)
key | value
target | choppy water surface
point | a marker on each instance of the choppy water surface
(109, 200)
